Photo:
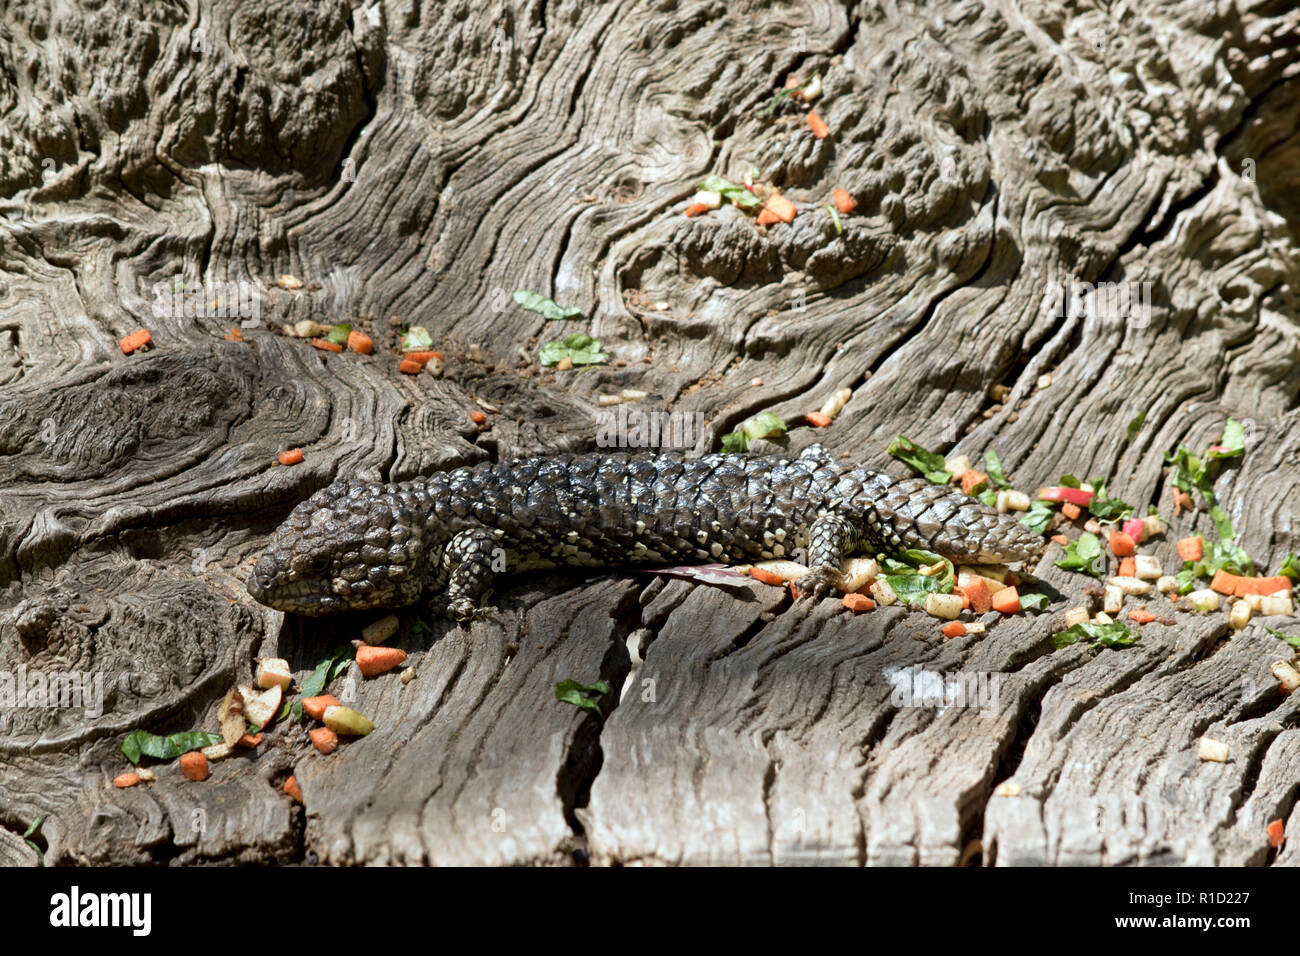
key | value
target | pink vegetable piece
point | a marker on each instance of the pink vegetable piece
(1075, 496)
(1133, 528)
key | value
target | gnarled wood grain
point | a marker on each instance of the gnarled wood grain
(417, 163)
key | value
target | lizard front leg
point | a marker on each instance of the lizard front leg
(830, 538)
(468, 561)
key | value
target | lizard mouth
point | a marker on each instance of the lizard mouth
(306, 597)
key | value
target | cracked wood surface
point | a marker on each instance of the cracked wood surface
(419, 162)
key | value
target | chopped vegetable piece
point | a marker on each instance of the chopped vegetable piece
(273, 672)
(973, 480)
(374, 661)
(946, 606)
(1075, 496)
(1276, 833)
(360, 342)
(195, 766)
(235, 335)
(248, 741)
(1007, 601)
(884, 593)
(324, 740)
(737, 195)
(376, 632)
(416, 339)
(1224, 582)
(135, 341)
(781, 207)
(1039, 517)
(843, 201)
(1136, 529)
(585, 697)
(1080, 555)
(142, 743)
(1239, 616)
(292, 789)
(1290, 567)
(1059, 539)
(766, 218)
(817, 419)
(579, 348)
(1107, 633)
(1204, 600)
(1010, 500)
(767, 577)
(327, 346)
(409, 367)
(478, 418)
(1076, 615)
(1147, 567)
(1121, 545)
(980, 595)
(534, 302)
(953, 629)
(422, 357)
(345, 720)
(314, 707)
(1276, 604)
(124, 780)
(1071, 510)
(1209, 749)
(290, 457)
(818, 126)
(696, 208)
(762, 425)
(926, 463)
(1135, 426)
(1141, 615)
(1266, 586)
(338, 334)
(858, 602)
(1127, 568)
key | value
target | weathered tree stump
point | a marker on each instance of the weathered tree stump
(417, 163)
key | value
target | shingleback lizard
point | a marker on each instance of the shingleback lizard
(356, 545)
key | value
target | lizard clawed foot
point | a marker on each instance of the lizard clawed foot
(463, 609)
(818, 583)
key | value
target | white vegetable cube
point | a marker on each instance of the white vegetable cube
(835, 404)
(1239, 616)
(1076, 615)
(1256, 601)
(1210, 749)
(1101, 617)
(812, 89)
(1148, 567)
(882, 593)
(1273, 605)
(274, 672)
(376, 632)
(1012, 501)
(1130, 585)
(1113, 600)
(957, 465)
(856, 572)
(975, 627)
(707, 198)
(1204, 600)
(946, 606)
(1167, 584)
(1286, 675)
(1152, 526)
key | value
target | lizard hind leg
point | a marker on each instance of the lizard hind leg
(830, 538)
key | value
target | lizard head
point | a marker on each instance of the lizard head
(348, 547)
